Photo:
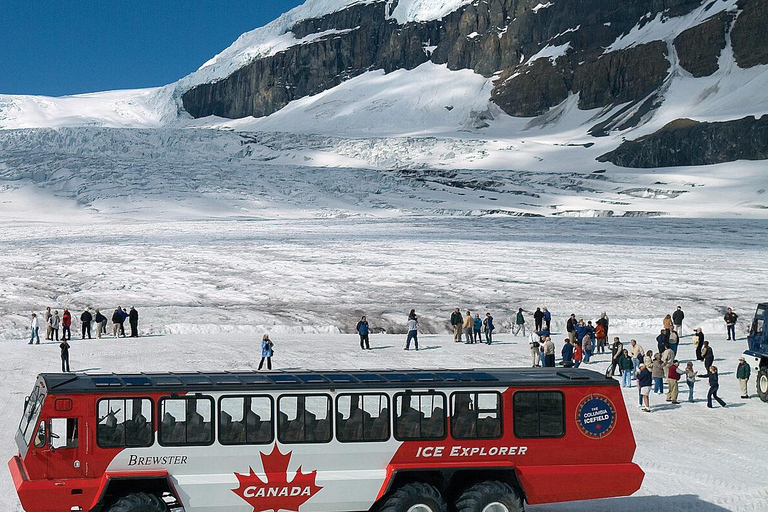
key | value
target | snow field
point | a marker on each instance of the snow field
(694, 458)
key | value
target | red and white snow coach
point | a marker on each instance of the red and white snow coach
(394, 441)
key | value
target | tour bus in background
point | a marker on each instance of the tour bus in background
(391, 441)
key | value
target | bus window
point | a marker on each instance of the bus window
(362, 417)
(186, 421)
(63, 433)
(246, 420)
(124, 422)
(304, 419)
(476, 415)
(419, 416)
(538, 414)
(31, 414)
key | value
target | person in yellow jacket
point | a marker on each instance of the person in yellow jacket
(467, 327)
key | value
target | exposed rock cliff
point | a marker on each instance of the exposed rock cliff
(686, 142)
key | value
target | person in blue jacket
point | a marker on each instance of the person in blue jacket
(581, 331)
(547, 319)
(488, 324)
(267, 352)
(477, 329)
(362, 329)
(567, 353)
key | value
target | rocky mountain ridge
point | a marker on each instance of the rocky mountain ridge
(608, 53)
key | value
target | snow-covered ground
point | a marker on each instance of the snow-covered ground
(695, 459)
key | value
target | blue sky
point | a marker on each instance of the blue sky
(59, 47)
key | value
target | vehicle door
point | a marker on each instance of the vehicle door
(64, 448)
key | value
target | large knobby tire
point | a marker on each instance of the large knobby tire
(415, 497)
(491, 496)
(762, 384)
(139, 502)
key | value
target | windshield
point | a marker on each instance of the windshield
(31, 414)
(758, 322)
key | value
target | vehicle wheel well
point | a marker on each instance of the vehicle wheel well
(462, 480)
(119, 487)
(452, 483)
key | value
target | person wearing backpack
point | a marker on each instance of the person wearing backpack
(657, 372)
(600, 336)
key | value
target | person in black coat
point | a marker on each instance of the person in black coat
(538, 316)
(708, 355)
(86, 318)
(64, 346)
(133, 319)
(699, 335)
(567, 354)
(714, 385)
(662, 341)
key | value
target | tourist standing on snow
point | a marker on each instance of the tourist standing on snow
(535, 351)
(627, 367)
(657, 371)
(66, 323)
(267, 351)
(47, 318)
(677, 319)
(64, 346)
(55, 322)
(674, 340)
(538, 317)
(714, 386)
(467, 327)
(603, 320)
(600, 336)
(413, 330)
(123, 317)
(566, 353)
(708, 356)
(549, 352)
(617, 349)
(667, 357)
(673, 377)
(662, 341)
(362, 329)
(743, 373)
(35, 330)
(577, 355)
(101, 324)
(698, 342)
(690, 379)
(547, 318)
(86, 318)
(637, 353)
(730, 324)
(116, 317)
(520, 322)
(488, 328)
(648, 359)
(644, 383)
(133, 320)
(570, 327)
(456, 322)
(586, 345)
(477, 329)
(667, 322)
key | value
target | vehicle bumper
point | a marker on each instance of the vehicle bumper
(51, 495)
(550, 484)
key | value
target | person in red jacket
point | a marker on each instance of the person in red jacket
(673, 376)
(66, 321)
(577, 355)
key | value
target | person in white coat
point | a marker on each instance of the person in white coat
(535, 350)
(35, 328)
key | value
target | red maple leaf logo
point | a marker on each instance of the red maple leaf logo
(277, 493)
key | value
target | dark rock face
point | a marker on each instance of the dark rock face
(699, 47)
(489, 37)
(685, 142)
(749, 36)
(621, 76)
